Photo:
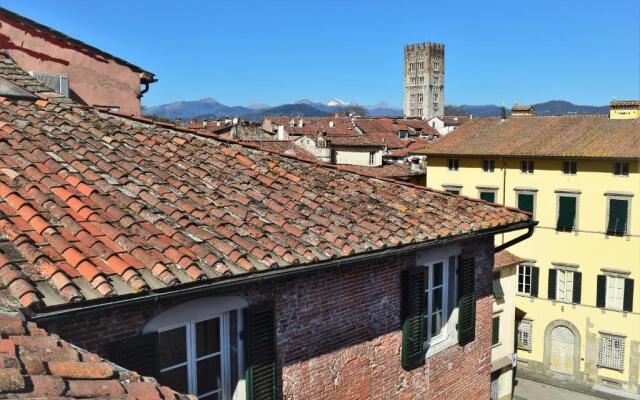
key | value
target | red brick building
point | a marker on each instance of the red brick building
(226, 271)
(86, 74)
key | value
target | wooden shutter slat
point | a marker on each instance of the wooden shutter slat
(628, 295)
(535, 279)
(553, 277)
(467, 304)
(577, 287)
(413, 309)
(261, 352)
(138, 353)
(601, 291)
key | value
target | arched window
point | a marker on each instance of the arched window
(201, 351)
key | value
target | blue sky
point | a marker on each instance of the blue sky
(274, 52)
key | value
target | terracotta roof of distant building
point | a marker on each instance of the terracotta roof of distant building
(415, 145)
(284, 147)
(394, 170)
(571, 136)
(342, 126)
(94, 206)
(452, 120)
(503, 259)
(521, 107)
(377, 139)
(35, 364)
(615, 103)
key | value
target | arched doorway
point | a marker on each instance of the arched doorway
(562, 350)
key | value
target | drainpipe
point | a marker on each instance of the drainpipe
(517, 239)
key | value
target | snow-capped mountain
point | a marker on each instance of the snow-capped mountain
(336, 102)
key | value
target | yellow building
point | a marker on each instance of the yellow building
(579, 320)
(624, 109)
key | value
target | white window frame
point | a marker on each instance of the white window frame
(611, 351)
(618, 196)
(445, 301)
(449, 334)
(190, 313)
(567, 290)
(372, 157)
(524, 327)
(614, 300)
(525, 268)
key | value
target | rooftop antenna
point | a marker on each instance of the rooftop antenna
(503, 111)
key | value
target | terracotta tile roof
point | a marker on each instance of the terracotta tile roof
(393, 125)
(69, 41)
(616, 103)
(452, 120)
(342, 126)
(588, 136)
(377, 139)
(35, 364)
(285, 147)
(394, 170)
(503, 259)
(522, 107)
(415, 145)
(96, 205)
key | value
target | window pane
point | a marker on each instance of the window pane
(173, 347)
(618, 210)
(437, 274)
(437, 299)
(176, 379)
(566, 213)
(208, 337)
(436, 323)
(209, 374)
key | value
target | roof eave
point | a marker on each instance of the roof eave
(190, 289)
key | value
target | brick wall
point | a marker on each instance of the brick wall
(338, 333)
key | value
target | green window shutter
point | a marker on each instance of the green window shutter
(566, 214)
(261, 352)
(553, 277)
(618, 210)
(535, 279)
(498, 292)
(525, 202)
(495, 331)
(138, 353)
(467, 302)
(628, 295)
(413, 309)
(488, 196)
(577, 287)
(601, 291)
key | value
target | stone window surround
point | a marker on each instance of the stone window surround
(576, 348)
(618, 196)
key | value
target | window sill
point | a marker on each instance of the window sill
(610, 368)
(441, 345)
(493, 346)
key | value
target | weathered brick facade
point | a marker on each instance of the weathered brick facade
(338, 333)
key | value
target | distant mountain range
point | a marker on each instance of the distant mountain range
(210, 108)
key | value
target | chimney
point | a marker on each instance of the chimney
(292, 122)
(300, 123)
(624, 109)
(280, 132)
(503, 111)
(330, 124)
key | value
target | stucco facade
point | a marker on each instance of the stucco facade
(587, 250)
(95, 78)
